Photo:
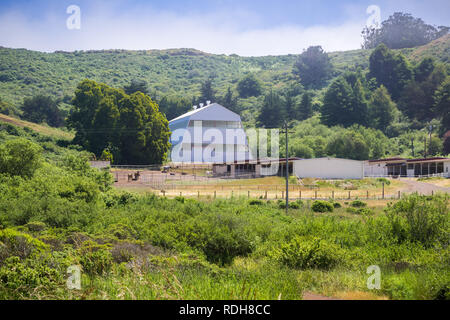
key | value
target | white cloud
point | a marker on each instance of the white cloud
(220, 32)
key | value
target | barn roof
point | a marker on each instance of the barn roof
(213, 111)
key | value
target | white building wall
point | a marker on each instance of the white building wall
(375, 169)
(329, 168)
(447, 169)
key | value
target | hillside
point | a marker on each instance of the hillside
(24, 73)
(41, 129)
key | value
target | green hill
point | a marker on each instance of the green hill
(24, 73)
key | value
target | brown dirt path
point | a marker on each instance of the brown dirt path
(413, 185)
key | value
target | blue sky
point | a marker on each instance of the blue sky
(224, 26)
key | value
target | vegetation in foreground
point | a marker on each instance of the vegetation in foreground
(56, 211)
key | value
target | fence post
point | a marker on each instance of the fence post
(265, 195)
(399, 194)
(300, 194)
(214, 194)
(349, 195)
(315, 194)
(367, 194)
(383, 191)
(332, 194)
(164, 193)
(180, 193)
(432, 192)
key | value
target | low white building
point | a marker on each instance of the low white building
(329, 168)
(407, 167)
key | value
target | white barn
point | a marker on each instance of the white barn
(329, 168)
(208, 134)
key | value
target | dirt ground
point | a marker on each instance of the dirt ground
(423, 187)
(200, 186)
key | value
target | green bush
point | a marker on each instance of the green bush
(322, 206)
(20, 278)
(384, 180)
(221, 237)
(20, 157)
(420, 218)
(255, 202)
(337, 205)
(358, 204)
(304, 253)
(95, 259)
(22, 245)
(361, 211)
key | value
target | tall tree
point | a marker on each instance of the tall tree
(390, 69)
(173, 107)
(229, 101)
(442, 104)
(344, 105)
(348, 145)
(135, 86)
(207, 91)
(131, 126)
(272, 112)
(306, 106)
(313, 67)
(417, 97)
(249, 86)
(382, 109)
(402, 30)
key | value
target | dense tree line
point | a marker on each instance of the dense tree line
(42, 108)
(129, 126)
(401, 30)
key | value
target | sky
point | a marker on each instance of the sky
(243, 27)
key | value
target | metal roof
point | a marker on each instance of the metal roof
(218, 114)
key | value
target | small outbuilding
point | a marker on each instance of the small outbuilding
(329, 168)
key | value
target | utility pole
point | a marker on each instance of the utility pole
(287, 164)
(425, 150)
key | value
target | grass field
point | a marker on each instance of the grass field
(271, 188)
(45, 130)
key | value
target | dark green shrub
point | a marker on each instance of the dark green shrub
(95, 259)
(256, 202)
(180, 199)
(294, 205)
(304, 253)
(221, 237)
(420, 218)
(21, 278)
(121, 231)
(36, 226)
(361, 211)
(22, 245)
(322, 206)
(384, 180)
(358, 204)
(337, 205)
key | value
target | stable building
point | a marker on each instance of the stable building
(320, 168)
(401, 167)
(208, 134)
(329, 168)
